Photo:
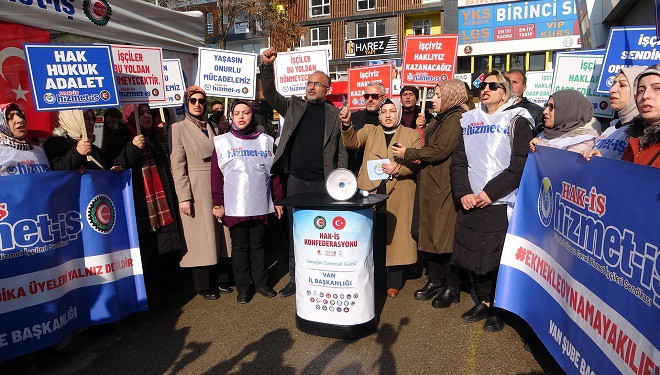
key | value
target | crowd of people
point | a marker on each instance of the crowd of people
(204, 203)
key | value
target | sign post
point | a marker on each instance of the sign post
(227, 73)
(427, 60)
(359, 78)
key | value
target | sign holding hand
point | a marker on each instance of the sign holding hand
(345, 115)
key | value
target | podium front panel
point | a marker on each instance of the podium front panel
(334, 266)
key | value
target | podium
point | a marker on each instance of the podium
(333, 245)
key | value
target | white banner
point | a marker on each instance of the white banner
(139, 74)
(581, 72)
(334, 266)
(227, 73)
(175, 86)
(293, 68)
(539, 85)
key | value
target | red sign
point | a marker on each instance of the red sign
(427, 60)
(14, 82)
(359, 78)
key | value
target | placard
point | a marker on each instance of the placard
(581, 72)
(359, 78)
(293, 68)
(427, 60)
(627, 46)
(539, 87)
(228, 74)
(139, 74)
(334, 266)
(175, 86)
(71, 76)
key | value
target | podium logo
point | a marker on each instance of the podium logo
(338, 222)
(319, 222)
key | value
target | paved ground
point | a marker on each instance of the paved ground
(195, 336)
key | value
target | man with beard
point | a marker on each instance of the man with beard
(310, 145)
(409, 96)
(374, 95)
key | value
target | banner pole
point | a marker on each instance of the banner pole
(83, 136)
(225, 106)
(137, 119)
(423, 100)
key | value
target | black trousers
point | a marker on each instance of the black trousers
(441, 270)
(295, 186)
(248, 255)
(484, 285)
(395, 277)
(205, 278)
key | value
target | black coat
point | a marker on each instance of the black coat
(62, 156)
(535, 110)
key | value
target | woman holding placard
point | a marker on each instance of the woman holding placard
(399, 177)
(191, 145)
(485, 172)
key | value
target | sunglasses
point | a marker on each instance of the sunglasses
(549, 105)
(194, 101)
(372, 96)
(493, 86)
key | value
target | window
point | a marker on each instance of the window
(481, 64)
(370, 29)
(517, 62)
(499, 62)
(319, 35)
(366, 4)
(209, 23)
(537, 61)
(464, 64)
(319, 7)
(421, 27)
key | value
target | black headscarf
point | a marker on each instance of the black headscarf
(252, 126)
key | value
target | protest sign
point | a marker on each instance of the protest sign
(580, 264)
(139, 74)
(428, 60)
(228, 74)
(69, 259)
(71, 76)
(175, 86)
(359, 78)
(580, 72)
(465, 77)
(538, 87)
(293, 68)
(627, 46)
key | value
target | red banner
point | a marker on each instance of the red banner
(359, 78)
(427, 60)
(14, 81)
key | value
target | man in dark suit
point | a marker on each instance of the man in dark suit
(374, 95)
(310, 145)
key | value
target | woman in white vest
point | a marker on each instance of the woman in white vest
(485, 173)
(243, 190)
(17, 155)
(568, 117)
(614, 139)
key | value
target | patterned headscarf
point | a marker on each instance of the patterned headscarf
(452, 94)
(572, 111)
(6, 136)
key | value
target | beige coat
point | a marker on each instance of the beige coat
(191, 168)
(401, 247)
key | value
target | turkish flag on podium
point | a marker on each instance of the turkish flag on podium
(14, 81)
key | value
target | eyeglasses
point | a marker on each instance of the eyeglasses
(372, 96)
(194, 101)
(493, 86)
(316, 84)
(549, 105)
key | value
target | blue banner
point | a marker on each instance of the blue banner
(71, 77)
(627, 46)
(69, 256)
(581, 263)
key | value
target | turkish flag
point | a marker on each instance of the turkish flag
(14, 81)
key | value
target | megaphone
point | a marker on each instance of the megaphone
(341, 184)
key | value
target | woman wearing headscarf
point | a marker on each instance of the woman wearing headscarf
(243, 192)
(17, 155)
(191, 145)
(401, 248)
(67, 150)
(155, 200)
(568, 117)
(485, 172)
(437, 206)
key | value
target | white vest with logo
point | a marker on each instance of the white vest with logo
(245, 164)
(13, 161)
(612, 142)
(488, 146)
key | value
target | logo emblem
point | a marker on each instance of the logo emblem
(98, 11)
(319, 222)
(338, 222)
(155, 92)
(101, 214)
(545, 205)
(49, 98)
(105, 94)
(245, 90)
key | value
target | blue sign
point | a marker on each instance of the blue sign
(71, 77)
(69, 256)
(628, 46)
(581, 262)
